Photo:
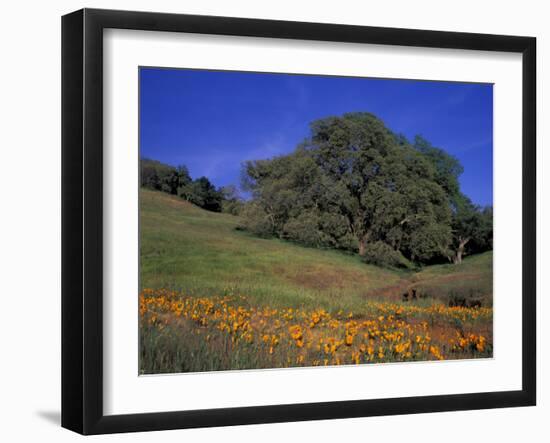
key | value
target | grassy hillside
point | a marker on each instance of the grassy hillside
(473, 278)
(214, 298)
(186, 248)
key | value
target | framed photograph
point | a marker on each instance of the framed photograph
(269, 221)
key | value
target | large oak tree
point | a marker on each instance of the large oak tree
(351, 184)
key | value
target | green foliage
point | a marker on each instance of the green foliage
(304, 229)
(158, 176)
(256, 220)
(231, 201)
(447, 167)
(472, 228)
(352, 183)
(177, 181)
(204, 194)
(471, 225)
(381, 254)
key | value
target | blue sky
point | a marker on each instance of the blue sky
(213, 121)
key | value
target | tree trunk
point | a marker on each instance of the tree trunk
(457, 259)
(363, 244)
(362, 247)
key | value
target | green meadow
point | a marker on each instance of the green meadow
(185, 248)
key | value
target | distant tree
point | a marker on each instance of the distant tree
(159, 176)
(471, 226)
(205, 195)
(177, 181)
(484, 242)
(185, 183)
(156, 175)
(149, 177)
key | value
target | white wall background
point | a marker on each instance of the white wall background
(30, 217)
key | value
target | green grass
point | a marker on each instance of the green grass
(185, 248)
(471, 279)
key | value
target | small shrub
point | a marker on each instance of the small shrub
(256, 221)
(465, 297)
(304, 229)
(233, 207)
(381, 254)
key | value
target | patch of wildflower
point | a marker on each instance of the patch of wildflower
(381, 332)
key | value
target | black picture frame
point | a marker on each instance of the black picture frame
(82, 218)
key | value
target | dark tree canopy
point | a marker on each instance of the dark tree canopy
(204, 194)
(352, 185)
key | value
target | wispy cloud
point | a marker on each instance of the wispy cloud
(276, 145)
(223, 165)
(475, 145)
(460, 97)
